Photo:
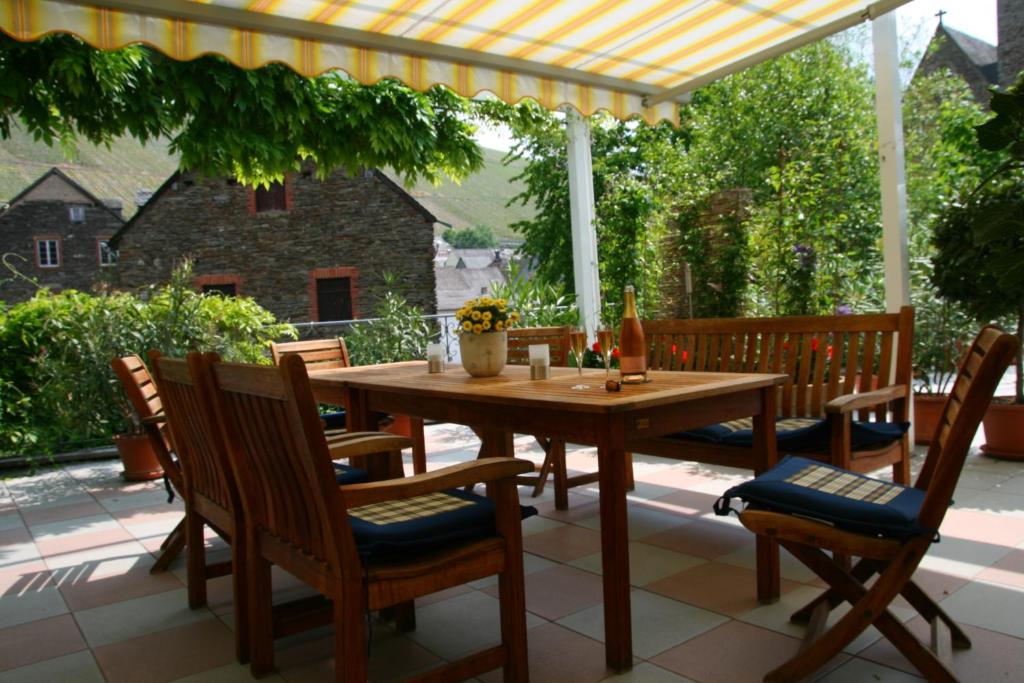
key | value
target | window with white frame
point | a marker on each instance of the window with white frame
(48, 253)
(76, 214)
(106, 253)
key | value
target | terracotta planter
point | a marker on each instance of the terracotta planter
(1004, 431)
(400, 425)
(137, 456)
(483, 355)
(927, 409)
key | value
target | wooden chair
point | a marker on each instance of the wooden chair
(893, 554)
(210, 494)
(328, 354)
(557, 339)
(145, 399)
(298, 518)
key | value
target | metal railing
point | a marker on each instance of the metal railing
(443, 325)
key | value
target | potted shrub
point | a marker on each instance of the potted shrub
(940, 331)
(979, 260)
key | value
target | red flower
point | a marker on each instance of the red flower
(828, 350)
(615, 352)
(686, 355)
(674, 349)
(596, 348)
(814, 345)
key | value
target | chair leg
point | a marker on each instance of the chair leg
(419, 446)
(171, 547)
(561, 475)
(545, 468)
(930, 610)
(240, 591)
(512, 605)
(862, 571)
(630, 482)
(350, 635)
(261, 613)
(405, 616)
(901, 468)
(869, 606)
(195, 559)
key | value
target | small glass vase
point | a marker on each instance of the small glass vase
(483, 355)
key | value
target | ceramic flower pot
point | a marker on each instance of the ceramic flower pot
(927, 410)
(1004, 431)
(483, 355)
(139, 459)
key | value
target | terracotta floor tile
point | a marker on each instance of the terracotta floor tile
(22, 608)
(991, 657)
(159, 657)
(564, 543)
(559, 591)
(38, 640)
(10, 519)
(703, 539)
(1008, 571)
(94, 584)
(16, 546)
(982, 526)
(690, 503)
(26, 577)
(721, 588)
(442, 595)
(559, 655)
(734, 652)
(72, 543)
(78, 667)
(580, 507)
(46, 515)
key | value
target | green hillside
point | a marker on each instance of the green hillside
(125, 168)
(115, 173)
(480, 199)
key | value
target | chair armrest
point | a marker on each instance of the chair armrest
(154, 419)
(851, 402)
(355, 444)
(466, 473)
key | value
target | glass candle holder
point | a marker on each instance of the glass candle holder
(540, 361)
(435, 358)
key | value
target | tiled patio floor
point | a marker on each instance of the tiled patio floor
(77, 602)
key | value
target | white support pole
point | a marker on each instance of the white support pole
(581, 210)
(889, 112)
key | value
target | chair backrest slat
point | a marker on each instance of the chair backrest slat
(280, 458)
(520, 339)
(980, 373)
(318, 354)
(197, 438)
(138, 386)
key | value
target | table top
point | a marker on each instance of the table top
(514, 386)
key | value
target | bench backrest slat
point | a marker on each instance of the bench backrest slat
(824, 356)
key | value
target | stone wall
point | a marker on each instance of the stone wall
(79, 258)
(949, 56)
(1011, 40)
(359, 226)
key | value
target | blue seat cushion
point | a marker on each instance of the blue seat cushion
(799, 434)
(414, 525)
(334, 419)
(346, 474)
(835, 496)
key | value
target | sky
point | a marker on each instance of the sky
(917, 22)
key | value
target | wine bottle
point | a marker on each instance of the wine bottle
(632, 347)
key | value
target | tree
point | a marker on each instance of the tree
(254, 125)
(476, 237)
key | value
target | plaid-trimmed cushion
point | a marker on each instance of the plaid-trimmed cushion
(346, 474)
(799, 434)
(834, 496)
(423, 523)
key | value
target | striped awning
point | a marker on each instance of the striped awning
(628, 57)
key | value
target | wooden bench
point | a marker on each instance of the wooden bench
(852, 371)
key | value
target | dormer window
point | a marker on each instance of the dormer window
(76, 214)
(273, 198)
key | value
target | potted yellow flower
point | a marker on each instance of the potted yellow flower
(482, 340)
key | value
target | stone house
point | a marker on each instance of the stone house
(304, 249)
(980, 64)
(56, 232)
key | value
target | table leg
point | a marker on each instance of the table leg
(765, 457)
(618, 633)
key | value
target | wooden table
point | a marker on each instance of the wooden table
(497, 407)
